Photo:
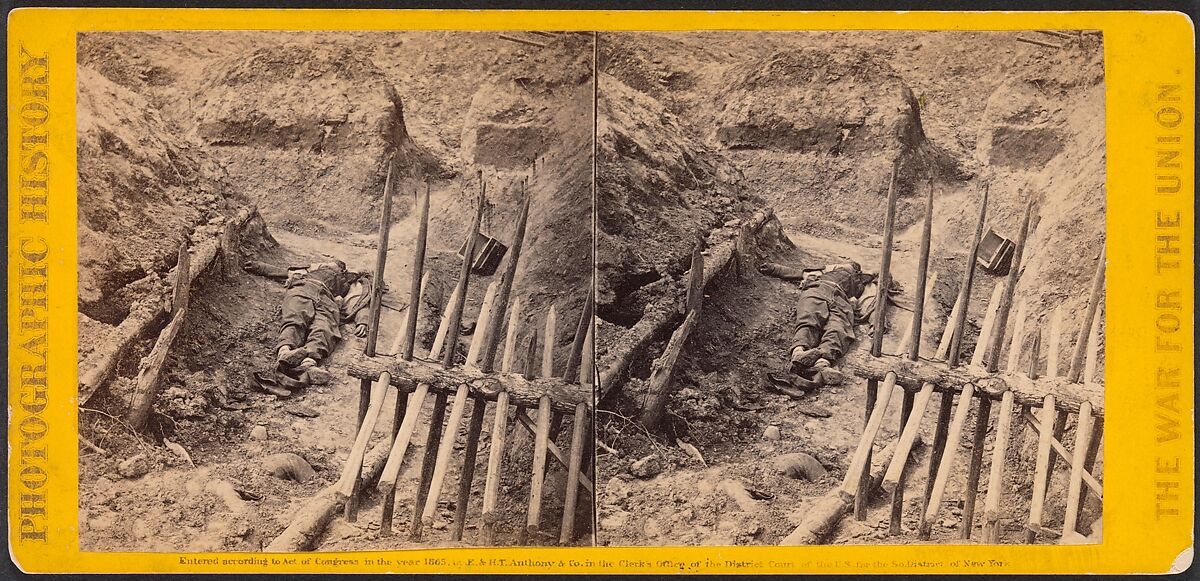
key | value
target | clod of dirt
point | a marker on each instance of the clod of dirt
(647, 467)
(302, 411)
(800, 466)
(258, 433)
(134, 467)
(772, 433)
(227, 492)
(288, 466)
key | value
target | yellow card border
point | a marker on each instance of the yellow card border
(1149, 463)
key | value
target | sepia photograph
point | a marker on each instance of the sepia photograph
(335, 290)
(850, 287)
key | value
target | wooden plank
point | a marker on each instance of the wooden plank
(419, 279)
(995, 487)
(954, 435)
(567, 532)
(467, 475)
(1083, 428)
(491, 483)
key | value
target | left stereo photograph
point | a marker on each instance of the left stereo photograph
(335, 290)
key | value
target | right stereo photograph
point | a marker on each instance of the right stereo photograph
(850, 287)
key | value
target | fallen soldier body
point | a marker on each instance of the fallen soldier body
(831, 303)
(319, 298)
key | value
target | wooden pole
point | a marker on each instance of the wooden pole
(858, 462)
(541, 438)
(1041, 471)
(385, 223)
(964, 292)
(467, 475)
(1094, 300)
(481, 324)
(907, 438)
(500, 304)
(1083, 427)
(947, 462)
(443, 458)
(464, 279)
(391, 470)
(510, 339)
(1000, 323)
(1093, 352)
(878, 322)
(1052, 352)
(943, 348)
(587, 362)
(530, 426)
(1062, 453)
(658, 388)
(924, 290)
(1018, 339)
(907, 337)
(491, 484)
(572, 492)
(548, 346)
(571, 373)
(349, 482)
(431, 452)
(439, 340)
(991, 503)
(983, 416)
(989, 321)
(418, 279)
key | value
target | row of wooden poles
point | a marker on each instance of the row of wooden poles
(482, 356)
(951, 419)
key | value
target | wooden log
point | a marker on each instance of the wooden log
(1082, 428)
(940, 435)
(995, 487)
(912, 374)
(538, 478)
(947, 463)
(145, 393)
(1094, 299)
(525, 392)
(1004, 310)
(908, 437)
(1089, 461)
(467, 475)
(481, 323)
(385, 223)
(985, 330)
(309, 523)
(549, 336)
(500, 304)
(419, 279)
(964, 292)
(924, 286)
(852, 485)
(439, 339)
(395, 458)
(350, 480)
(1018, 339)
(443, 457)
(571, 373)
(906, 417)
(658, 388)
(148, 313)
(464, 278)
(571, 494)
(1052, 352)
(432, 439)
(661, 315)
(555, 452)
(983, 416)
(1041, 473)
(943, 348)
(907, 338)
(879, 320)
(491, 483)
(824, 514)
(510, 338)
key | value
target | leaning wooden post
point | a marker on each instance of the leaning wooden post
(658, 388)
(464, 279)
(500, 304)
(985, 328)
(571, 494)
(391, 470)
(1097, 428)
(510, 338)
(991, 503)
(947, 462)
(364, 386)
(953, 355)
(481, 324)
(851, 486)
(467, 476)
(427, 463)
(491, 484)
(1094, 299)
(435, 351)
(349, 484)
(1083, 428)
(418, 279)
(994, 347)
(541, 440)
(571, 373)
(443, 457)
(146, 391)
(1052, 370)
(548, 342)
(1041, 474)
(924, 289)
(879, 321)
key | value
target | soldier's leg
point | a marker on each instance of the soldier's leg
(298, 315)
(811, 316)
(321, 334)
(838, 333)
